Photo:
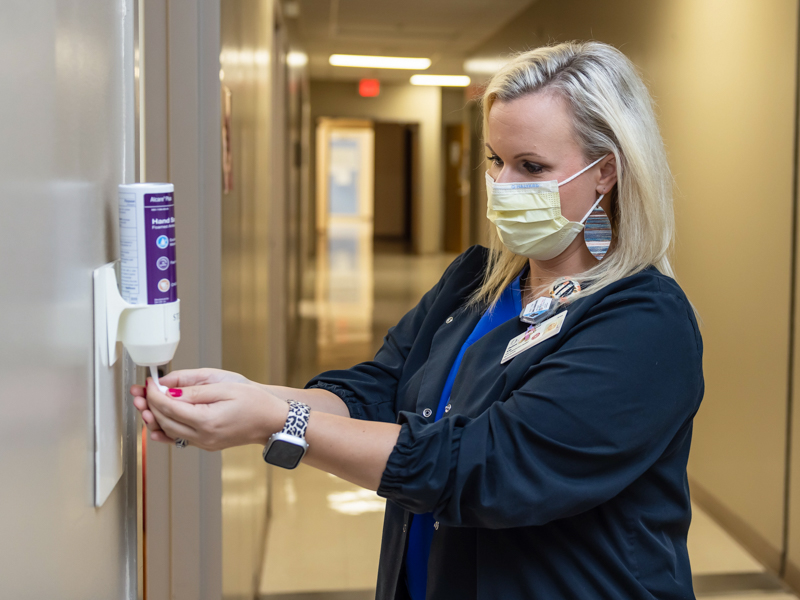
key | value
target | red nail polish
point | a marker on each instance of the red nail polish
(175, 393)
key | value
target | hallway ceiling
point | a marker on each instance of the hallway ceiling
(446, 31)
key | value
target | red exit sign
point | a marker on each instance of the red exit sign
(369, 88)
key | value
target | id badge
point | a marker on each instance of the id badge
(534, 336)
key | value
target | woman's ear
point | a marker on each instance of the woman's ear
(608, 174)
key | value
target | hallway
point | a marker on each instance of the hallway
(324, 533)
(317, 165)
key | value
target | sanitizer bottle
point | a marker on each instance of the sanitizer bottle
(143, 312)
(148, 273)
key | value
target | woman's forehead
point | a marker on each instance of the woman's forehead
(536, 121)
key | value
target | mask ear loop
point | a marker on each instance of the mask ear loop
(591, 210)
(581, 172)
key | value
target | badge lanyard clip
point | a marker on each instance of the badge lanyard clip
(545, 307)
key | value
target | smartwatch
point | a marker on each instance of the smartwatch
(287, 447)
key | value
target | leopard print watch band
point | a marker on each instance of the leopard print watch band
(297, 420)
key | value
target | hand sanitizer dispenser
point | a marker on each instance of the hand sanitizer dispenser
(142, 311)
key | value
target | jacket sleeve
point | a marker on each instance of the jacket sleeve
(585, 422)
(369, 389)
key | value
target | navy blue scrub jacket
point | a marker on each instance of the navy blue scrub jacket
(560, 474)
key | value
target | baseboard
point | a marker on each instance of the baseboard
(743, 533)
(729, 584)
(341, 595)
(792, 577)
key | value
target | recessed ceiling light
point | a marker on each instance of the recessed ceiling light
(485, 66)
(379, 62)
(442, 80)
(297, 59)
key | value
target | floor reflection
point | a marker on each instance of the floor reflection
(324, 533)
(344, 291)
(356, 502)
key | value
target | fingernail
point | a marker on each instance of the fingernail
(175, 393)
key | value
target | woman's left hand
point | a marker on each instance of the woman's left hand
(218, 415)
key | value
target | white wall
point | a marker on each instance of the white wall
(67, 131)
(406, 104)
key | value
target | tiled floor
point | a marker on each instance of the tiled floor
(324, 535)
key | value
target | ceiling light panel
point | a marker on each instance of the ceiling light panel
(485, 66)
(297, 59)
(441, 80)
(379, 62)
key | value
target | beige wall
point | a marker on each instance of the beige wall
(729, 113)
(793, 550)
(406, 104)
(453, 103)
(723, 75)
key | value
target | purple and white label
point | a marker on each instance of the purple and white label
(159, 239)
(147, 243)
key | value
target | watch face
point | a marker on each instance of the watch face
(284, 454)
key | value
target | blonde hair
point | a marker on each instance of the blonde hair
(612, 114)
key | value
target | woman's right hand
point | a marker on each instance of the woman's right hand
(180, 379)
(192, 377)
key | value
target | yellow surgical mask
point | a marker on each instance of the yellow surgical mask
(528, 216)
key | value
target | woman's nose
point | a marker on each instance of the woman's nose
(506, 176)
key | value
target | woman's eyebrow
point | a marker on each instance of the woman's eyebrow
(528, 154)
(518, 155)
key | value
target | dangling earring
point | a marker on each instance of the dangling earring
(597, 233)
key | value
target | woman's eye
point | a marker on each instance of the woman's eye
(533, 168)
(495, 160)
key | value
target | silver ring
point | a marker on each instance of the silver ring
(181, 443)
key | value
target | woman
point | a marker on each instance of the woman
(517, 462)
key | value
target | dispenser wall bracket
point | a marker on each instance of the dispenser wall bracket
(108, 412)
(150, 333)
(106, 280)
